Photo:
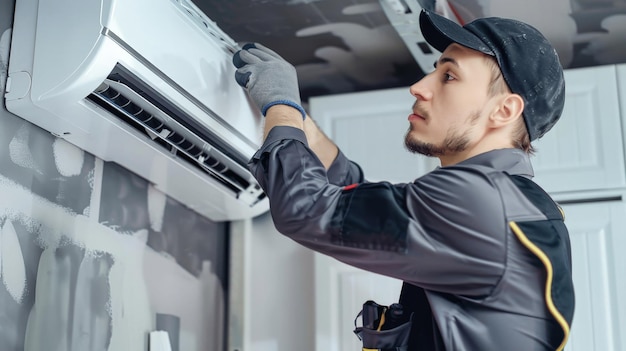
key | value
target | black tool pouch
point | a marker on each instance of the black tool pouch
(385, 328)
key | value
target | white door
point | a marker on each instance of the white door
(599, 262)
(584, 150)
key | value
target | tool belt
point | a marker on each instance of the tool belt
(384, 328)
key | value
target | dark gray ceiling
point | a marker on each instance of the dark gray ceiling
(341, 46)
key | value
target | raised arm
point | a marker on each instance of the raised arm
(322, 146)
(274, 84)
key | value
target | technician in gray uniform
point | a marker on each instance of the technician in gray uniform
(482, 250)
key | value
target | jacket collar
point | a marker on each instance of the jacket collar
(512, 161)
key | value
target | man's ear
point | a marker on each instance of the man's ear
(509, 109)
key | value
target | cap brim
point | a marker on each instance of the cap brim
(440, 32)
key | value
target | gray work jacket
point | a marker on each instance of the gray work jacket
(482, 250)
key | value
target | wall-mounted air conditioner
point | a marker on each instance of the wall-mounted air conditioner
(147, 84)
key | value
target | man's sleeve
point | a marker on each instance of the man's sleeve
(432, 233)
(344, 172)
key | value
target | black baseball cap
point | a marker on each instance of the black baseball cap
(529, 64)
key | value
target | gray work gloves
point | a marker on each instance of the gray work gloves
(269, 79)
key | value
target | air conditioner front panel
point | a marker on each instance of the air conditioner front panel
(199, 66)
(205, 55)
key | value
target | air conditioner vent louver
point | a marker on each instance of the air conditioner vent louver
(152, 116)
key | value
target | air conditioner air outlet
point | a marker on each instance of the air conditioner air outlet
(162, 127)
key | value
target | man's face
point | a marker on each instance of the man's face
(451, 104)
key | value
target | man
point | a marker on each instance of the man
(482, 250)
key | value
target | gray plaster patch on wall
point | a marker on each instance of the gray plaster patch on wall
(64, 286)
(13, 314)
(124, 205)
(19, 151)
(88, 291)
(72, 296)
(12, 270)
(27, 156)
(156, 208)
(68, 158)
(130, 203)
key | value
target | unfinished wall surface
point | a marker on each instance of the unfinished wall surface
(92, 257)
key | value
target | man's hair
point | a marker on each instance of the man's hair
(497, 85)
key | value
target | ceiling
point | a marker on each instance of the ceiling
(342, 46)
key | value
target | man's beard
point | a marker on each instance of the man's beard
(453, 143)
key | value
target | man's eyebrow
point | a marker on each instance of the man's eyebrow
(443, 60)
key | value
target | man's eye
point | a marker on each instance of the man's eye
(447, 77)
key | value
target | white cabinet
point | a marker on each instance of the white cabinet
(584, 150)
(598, 243)
(581, 162)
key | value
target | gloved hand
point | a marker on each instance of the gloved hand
(269, 79)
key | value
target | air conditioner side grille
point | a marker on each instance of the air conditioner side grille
(154, 118)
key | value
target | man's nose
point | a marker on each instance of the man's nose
(421, 89)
